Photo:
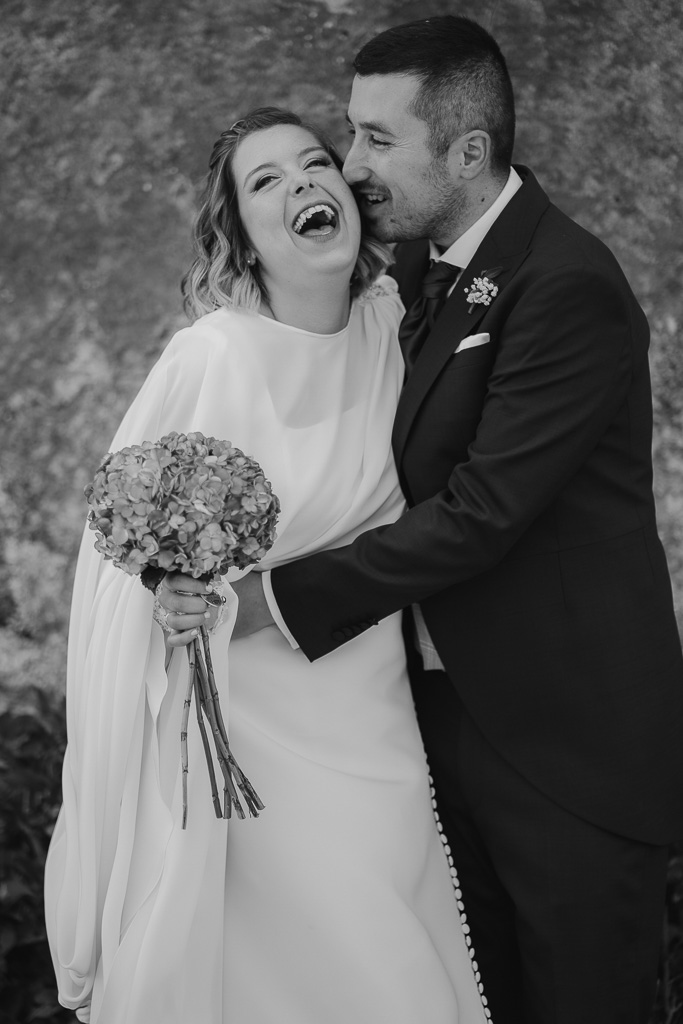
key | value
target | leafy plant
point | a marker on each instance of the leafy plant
(669, 1008)
(32, 726)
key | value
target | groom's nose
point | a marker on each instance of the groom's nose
(354, 169)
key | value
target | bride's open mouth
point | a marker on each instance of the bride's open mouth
(318, 221)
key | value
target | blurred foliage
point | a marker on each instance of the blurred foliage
(32, 726)
(108, 111)
(669, 1007)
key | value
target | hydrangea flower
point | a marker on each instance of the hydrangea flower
(186, 503)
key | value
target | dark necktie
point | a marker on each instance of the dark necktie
(419, 319)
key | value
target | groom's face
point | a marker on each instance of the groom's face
(402, 189)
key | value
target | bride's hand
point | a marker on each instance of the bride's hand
(183, 599)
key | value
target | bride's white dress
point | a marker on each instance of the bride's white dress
(337, 905)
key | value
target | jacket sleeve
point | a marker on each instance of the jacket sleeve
(562, 371)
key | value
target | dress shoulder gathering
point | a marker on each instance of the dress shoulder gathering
(337, 903)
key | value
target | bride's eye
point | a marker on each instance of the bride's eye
(265, 180)
(319, 161)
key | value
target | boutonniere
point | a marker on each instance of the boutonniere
(483, 290)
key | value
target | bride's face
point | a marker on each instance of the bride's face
(296, 209)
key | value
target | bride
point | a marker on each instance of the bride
(339, 903)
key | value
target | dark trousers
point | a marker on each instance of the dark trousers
(566, 919)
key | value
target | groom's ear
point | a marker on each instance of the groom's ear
(469, 155)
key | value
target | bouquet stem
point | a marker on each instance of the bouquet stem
(184, 762)
(193, 684)
(203, 682)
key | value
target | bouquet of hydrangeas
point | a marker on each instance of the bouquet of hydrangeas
(195, 505)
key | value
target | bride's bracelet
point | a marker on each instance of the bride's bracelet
(160, 615)
(217, 599)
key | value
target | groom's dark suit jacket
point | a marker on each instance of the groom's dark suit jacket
(531, 541)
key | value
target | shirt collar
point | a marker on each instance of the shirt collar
(463, 249)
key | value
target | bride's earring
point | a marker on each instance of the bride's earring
(251, 259)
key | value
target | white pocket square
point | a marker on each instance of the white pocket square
(472, 342)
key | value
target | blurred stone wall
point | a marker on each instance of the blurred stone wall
(109, 109)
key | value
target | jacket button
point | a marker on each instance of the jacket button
(345, 633)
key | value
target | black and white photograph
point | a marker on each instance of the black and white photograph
(341, 495)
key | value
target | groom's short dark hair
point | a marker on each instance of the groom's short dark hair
(464, 79)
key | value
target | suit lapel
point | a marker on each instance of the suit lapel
(501, 253)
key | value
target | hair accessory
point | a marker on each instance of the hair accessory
(229, 135)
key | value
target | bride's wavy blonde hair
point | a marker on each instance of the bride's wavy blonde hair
(220, 274)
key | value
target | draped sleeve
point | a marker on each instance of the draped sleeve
(115, 663)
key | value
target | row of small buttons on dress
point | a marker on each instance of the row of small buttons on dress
(459, 901)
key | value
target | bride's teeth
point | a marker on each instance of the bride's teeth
(303, 217)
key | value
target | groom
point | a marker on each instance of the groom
(545, 657)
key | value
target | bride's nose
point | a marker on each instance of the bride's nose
(303, 183)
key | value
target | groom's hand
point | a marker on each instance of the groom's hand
(253, 613)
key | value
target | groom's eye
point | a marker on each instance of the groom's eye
(372, 140)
